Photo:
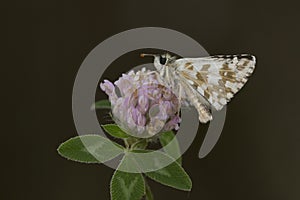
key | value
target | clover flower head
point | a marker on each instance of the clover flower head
(145, 105)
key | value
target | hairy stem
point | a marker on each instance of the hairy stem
(149, 195)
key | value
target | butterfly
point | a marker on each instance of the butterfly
(206, 82)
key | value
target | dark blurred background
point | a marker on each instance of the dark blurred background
(257, 156)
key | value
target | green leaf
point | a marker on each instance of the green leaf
(90, 149)
(170, 145)
(127, 186)
(115, 131)
(173, 176)
(156, 165)
(102, 104)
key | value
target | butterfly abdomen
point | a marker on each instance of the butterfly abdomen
(194, 99)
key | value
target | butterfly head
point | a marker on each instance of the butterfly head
(160, 60)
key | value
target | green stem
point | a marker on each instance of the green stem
(149, 195)
(126, 144)
(136, 143)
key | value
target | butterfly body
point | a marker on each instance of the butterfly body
(207, 82)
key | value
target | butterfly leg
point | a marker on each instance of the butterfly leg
(167, 75)
(158, 76)
(152, 72)
(180, 94)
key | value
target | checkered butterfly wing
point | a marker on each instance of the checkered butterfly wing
(216, 78)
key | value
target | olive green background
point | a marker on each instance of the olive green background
(257, 156)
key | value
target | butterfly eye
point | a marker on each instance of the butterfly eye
(162, 60)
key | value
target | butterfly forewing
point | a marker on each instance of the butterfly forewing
(216, 78)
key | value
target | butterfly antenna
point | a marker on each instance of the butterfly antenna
(146, 54)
